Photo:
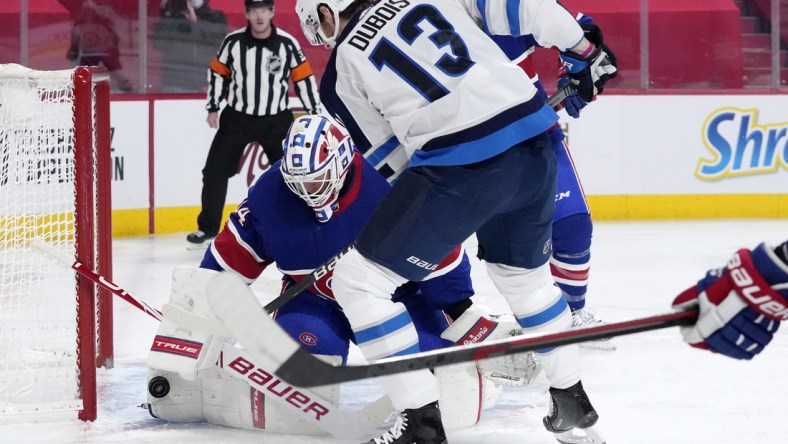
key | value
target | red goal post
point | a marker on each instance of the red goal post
(55, 326)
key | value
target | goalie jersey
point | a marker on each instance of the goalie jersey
(275, 225)
(415, 85)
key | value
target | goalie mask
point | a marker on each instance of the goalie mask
(317, 157)
(310, 19)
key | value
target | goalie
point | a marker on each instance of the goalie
(320, 168)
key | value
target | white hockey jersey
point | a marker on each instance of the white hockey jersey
(421, 83)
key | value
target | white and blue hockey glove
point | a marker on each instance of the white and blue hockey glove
(741, 305)
(589, 72)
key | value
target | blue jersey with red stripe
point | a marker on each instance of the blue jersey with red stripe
(275, 225)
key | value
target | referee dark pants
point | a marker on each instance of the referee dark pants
(236, 130)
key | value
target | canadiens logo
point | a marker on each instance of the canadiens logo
(308, 339)
(274, 64)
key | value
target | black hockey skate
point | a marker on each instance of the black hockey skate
(571, 417)
(415, 426)
(198, 240)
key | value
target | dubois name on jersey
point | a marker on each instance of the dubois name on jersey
(443, 92)
(369, 26)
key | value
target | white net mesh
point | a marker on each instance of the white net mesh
(38, 306)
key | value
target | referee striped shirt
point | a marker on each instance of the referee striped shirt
(252, 74)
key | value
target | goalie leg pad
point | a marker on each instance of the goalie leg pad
(231, 402)
(464, 394)
(180, 348)
(218, 398)
(173, 398)
(271, 414)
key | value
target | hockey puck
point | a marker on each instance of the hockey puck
(158, 387)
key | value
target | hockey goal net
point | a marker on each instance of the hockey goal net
(55, 327)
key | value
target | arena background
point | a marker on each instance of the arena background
(695, 126)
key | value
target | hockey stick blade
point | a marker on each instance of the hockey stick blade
(304, 283)
(96, 278)
(560, 95)
(236, 306)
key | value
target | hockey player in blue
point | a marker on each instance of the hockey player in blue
(435, 105)
(572, 225)
(340, 190)
(303, 211)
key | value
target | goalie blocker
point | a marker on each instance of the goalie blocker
(197, 374)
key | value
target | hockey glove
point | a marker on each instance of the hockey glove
(590, 73)
(572, 103)
(741, 305)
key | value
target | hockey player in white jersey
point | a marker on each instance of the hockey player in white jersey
(437, 107)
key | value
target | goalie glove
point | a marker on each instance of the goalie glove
(741, 305)
(590, 72)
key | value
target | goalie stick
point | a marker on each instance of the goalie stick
(295, 289)
(236, 307)
(242, 365)
(80, 268)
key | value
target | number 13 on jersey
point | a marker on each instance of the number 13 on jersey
(454, 62)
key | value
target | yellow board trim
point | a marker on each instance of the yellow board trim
(689, 206)
(608, 207)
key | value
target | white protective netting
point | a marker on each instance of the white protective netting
(38, 306)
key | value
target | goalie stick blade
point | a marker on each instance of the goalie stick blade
(237, 308)
(242, 315)
(307, 405)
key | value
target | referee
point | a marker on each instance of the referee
(251, 71)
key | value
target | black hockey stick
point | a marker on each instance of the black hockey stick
(242, 315)
(304, 283)
(560, 95)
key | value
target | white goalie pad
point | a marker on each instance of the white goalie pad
(246, 393)
(464, 394)
(189, 338)
(222, 398)
(173, 398)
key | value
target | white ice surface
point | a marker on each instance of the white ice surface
(653, 389)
